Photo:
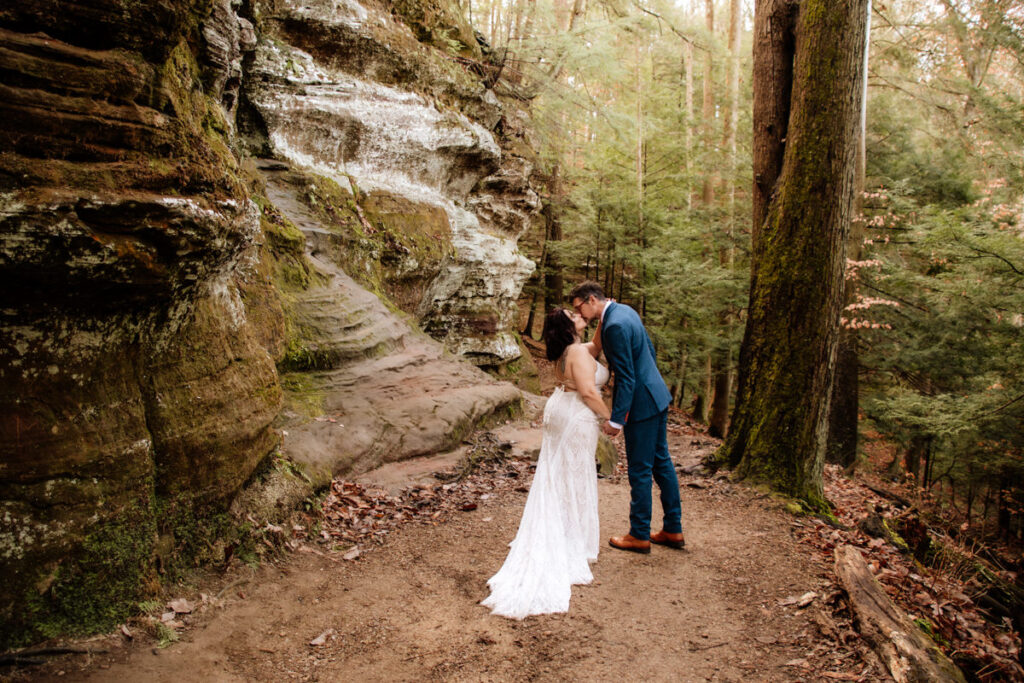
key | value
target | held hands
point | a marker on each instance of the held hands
(609, 430)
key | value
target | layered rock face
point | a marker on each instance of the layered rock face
(158, 288)
(128, 369)
(403, 136)
(366, 387)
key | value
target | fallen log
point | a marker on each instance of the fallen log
(909, 654)
(885, 493)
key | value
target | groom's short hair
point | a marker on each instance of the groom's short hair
(585, 290)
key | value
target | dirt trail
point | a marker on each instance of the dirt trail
(408, 610)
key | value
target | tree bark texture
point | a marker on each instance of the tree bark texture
(528, 327)
(688, 69)
(554, 286)
(774, 45)
(718, 424)
(708, 110)
(702, 404)
(778, 432)
(844, 411)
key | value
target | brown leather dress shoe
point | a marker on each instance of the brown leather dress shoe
(671, 540)
(633, 545)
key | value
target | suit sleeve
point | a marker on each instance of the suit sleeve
(618, 347)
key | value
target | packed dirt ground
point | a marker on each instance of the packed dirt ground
(383, 584)
(726, 608)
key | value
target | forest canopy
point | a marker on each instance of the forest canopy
(643, 113)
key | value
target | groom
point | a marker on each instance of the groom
(640, 411)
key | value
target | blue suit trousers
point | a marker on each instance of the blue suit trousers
(647, 458)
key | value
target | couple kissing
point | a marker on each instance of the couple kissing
(558, 536)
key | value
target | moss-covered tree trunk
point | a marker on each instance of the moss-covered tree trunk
(778, 430)
(774, 45)
(843, 415)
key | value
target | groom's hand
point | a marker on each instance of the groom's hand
(609, 430)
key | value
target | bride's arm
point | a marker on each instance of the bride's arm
(580, 366)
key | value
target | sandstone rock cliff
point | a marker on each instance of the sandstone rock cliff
(388, 120)
(212, 215)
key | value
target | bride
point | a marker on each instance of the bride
(558, 532)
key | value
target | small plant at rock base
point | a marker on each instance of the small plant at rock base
(165, 635)
(150, 606)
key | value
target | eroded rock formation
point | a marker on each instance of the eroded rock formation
(402, 137)
(171, 305)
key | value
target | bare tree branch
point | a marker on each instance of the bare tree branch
(992, 254)
(682, 36)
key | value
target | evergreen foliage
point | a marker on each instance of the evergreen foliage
(941, 310)
(617, 92)
(626, 163)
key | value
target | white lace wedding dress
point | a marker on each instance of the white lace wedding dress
(558, 533)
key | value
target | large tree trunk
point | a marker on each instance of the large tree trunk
(528, 327)
(702, 408)
(554, 287)
(708, 111)
(845, 403)
(679, 387)
(843, 417)
(702, 403)
(774, 46)
(914, 456)
(718, 421)
(641, 169)
(688, 110)
(778, 431)
(718, 424)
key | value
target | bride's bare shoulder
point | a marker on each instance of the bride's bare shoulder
(577, 350)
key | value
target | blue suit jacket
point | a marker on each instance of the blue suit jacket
(640, 391)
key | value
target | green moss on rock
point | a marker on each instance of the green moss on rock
(303, 394)
(389, 244)
(439, 23)
(100, 584)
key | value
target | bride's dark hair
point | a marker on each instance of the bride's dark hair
(559, 332)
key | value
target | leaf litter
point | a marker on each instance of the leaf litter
(938, 598)
(355, 518)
